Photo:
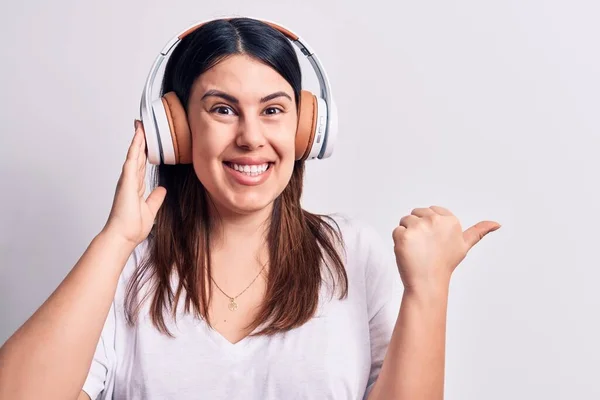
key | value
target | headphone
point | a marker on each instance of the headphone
(168, 136)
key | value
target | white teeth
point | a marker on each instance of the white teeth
(250, 170)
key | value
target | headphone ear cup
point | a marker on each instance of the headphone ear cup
(332, 131)
(179, 127)
(307, 123)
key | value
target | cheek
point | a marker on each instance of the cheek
(284, 141)
(208, 143)
(209, 139)
(286, 151)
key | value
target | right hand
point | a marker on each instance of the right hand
(131, 216)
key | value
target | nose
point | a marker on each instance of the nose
(250, 135)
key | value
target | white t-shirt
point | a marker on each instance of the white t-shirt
(336, 355)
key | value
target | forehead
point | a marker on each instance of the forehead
(242, 76)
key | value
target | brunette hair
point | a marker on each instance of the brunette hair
(303, 247)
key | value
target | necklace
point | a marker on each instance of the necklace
(232, 304)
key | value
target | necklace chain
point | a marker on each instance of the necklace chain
(232, 304)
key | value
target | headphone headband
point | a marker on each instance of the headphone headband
(324, 137)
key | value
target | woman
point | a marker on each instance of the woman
(219, 285)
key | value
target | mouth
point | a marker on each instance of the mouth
(249, 169)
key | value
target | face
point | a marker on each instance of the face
(243, 119)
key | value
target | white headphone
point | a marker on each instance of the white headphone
(168, 135)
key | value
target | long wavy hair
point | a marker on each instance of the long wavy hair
(303, 247)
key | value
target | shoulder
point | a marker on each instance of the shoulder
(370, 262)
(364, 247)
(358, 237)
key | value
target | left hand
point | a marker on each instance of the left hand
(430, 243)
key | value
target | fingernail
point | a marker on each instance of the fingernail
(135, 123)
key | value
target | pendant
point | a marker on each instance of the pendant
(232, 305)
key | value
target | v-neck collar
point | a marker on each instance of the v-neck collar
(242, 347)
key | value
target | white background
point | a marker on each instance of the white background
(489, 108)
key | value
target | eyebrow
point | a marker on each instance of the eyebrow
(232, 99)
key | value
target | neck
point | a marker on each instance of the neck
(240, 230)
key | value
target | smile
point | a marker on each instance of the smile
(248, 174)
(249, 170)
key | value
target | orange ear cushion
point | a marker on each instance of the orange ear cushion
(307, 122)
(180, 129)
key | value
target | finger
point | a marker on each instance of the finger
(142, 173)
(397, 233)
(141, 177)
(475, 233)
(142, 188)
(441, 210)
(423, 212)
(132, 153)
(398, 230)
(155, 199)
(409, 220)
(130, 164)
(142, 151)
(141, 160)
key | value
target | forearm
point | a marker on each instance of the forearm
(49, 356)
(413, 368)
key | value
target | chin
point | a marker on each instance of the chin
(248, 203)
(255, 192)
(237, 191)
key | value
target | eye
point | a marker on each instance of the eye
(273, 110)
(223, 110)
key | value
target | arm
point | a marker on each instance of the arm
(413, 367)
(50, 355)
(429, 245)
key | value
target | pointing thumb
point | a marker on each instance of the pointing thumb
(475, 233)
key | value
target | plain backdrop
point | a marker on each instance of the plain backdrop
(488, 108)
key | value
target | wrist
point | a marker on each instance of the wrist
(431, 291)
(115, 241)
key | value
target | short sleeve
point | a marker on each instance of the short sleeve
(384, 295)
(101, 373)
